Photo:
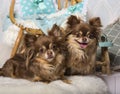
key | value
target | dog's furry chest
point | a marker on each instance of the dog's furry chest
(79, 61)
(52, 72)
(77, 56)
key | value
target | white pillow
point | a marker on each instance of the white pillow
(60, 17)
(26, 8)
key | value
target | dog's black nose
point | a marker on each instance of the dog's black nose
(84, 39)
(49, 53)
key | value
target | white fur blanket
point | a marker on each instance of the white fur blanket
(80, 85)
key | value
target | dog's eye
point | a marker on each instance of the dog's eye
(41, 50)
(54, 46)
(78, 35)
(91, 36)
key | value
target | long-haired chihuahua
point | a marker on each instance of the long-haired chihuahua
(82, 39)
(43, 60)
(51, 51)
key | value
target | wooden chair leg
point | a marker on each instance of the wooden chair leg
(66, 3)
(59, 4)
(17, 43)
(73, 2)
(106, 60)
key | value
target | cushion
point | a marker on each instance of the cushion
(113, 33)
(60, 17)
(33, 7)
(79, 85)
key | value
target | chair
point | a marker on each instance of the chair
(29, 30)
(105, 61)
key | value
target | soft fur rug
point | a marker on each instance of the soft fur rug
(80, 85)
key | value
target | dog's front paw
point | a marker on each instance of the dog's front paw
(67, 81)
(49, 67)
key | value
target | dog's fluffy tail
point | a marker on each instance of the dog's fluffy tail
(1, 73)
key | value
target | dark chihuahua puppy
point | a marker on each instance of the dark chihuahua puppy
(42, 61)
(26, 66)
(82, 39)
(50, 54)
(49, 57)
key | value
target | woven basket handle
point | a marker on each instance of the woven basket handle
(73, 2)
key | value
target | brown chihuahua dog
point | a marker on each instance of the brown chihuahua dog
(42, 61)
(49, 56)
(49, 51)
(82, 39)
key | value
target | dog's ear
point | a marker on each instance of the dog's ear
(73, 20)
(56, 31)
(29, 39)
(95, 22)
(29, 55)
(30, 52)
